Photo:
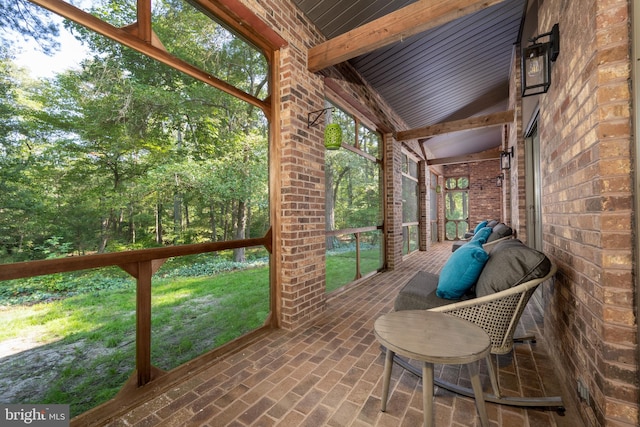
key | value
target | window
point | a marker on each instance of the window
(456, 207)
(410, 204)
(353, 203)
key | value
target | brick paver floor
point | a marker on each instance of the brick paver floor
(328, 373)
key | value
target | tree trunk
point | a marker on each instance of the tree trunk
(177, 211)
(159, 223)
(104, 234)
(132, 225)
(241, 223)
(212, 220)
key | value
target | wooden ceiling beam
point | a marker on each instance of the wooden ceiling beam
(396, 26)
(467, 158)
(477, 122)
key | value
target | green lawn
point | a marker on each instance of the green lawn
(341, 267)
(85, 344)
(77, 331)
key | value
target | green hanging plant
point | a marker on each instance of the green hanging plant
(332, 136)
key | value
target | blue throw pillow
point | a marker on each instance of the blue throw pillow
(461, 270)
(483, 224)
(482, 235)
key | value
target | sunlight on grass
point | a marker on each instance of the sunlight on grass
(81, 346)
(341, 267)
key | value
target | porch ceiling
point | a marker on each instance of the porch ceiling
(454, 71)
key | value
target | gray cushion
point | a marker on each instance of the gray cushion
(499, 231)
(420, 293)
(511, 263)
(457, 244)
(492, 223)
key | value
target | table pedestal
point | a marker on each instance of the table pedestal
(433, 337)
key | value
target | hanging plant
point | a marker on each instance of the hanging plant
(332, 136)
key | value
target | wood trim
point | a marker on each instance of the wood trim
(341, 97)
(144, 20)
(124, 36)
(468, 158)
(275, 196)
(478, 122)
(396, 26)
(43, 267)
(247, 23)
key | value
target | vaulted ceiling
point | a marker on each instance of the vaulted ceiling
(456, 69)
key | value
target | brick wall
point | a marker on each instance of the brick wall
(586, 151)
(485, 198)
(300, 279)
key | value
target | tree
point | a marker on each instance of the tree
(126, 146)
(29, 22)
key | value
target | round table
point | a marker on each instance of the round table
(433, 337)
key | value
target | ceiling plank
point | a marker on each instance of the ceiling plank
(477, 122)
(467, 158)
(396, 26)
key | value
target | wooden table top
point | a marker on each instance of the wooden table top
(432, 337)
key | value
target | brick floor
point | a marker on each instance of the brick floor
(328, 373)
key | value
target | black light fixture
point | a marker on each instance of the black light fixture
(505, 158)
(332, 131)
(536, 62)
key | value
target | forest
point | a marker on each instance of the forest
(122, 152)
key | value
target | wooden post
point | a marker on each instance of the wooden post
(143, 323)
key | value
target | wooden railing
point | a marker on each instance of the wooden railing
(141, 264)
(356, 232)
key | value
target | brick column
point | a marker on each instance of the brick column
(393, 201)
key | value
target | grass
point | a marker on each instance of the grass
(341, 266)
(80, 328)
(85, 344)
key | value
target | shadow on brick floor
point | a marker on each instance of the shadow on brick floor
(328, 373)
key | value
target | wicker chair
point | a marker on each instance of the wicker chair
(498, 314)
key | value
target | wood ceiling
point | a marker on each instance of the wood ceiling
(442, 65)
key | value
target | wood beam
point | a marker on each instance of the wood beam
(477, 122)
(129, 37)
(467, 158)
(396, 26)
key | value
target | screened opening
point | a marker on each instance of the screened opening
(353, 174)
(410, 204)
(118, 152)
(456, 207)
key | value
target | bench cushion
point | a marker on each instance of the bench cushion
(420, 293)
(500, 231)
(510, 264)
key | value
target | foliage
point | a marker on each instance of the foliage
(25, 20)
(125, 152)
(353, 181)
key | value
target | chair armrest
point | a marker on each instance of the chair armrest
(499, 313)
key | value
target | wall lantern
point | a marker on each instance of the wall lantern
(332, 131)
(499, 180)
(536, 62)
(505, 158)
